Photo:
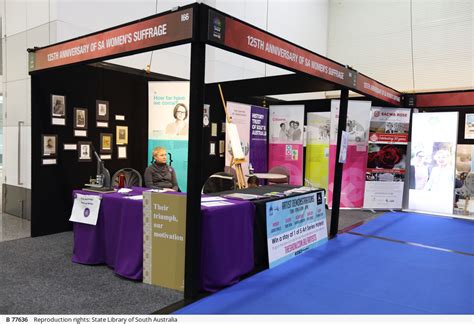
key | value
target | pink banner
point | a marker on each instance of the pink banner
(353, 176)
(289, 156)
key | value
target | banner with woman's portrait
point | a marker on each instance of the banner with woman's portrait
(432, 165)
(168, 124)
(387, 160)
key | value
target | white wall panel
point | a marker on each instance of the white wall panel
(37, 13)
(25, 162)
(15, 17)
(16, 57)
(38, 36)
(16, 103)
(375, 38)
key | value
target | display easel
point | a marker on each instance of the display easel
(237, 162)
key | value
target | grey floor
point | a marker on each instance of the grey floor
(38, 277)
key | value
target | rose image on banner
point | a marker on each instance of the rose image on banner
(386, 156)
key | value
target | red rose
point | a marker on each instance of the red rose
(372, 160)
(388, 156)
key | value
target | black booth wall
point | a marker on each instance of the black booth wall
(52, 185)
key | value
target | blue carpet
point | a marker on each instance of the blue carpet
(353, 275)
(442, 232)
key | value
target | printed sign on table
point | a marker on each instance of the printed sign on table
(386, 163)
(85, 209)
(295, 225)
(164, 232)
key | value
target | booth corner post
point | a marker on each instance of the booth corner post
(336, 192)
(193, 202)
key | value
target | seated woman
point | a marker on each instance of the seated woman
(159, 175)
(252, 182)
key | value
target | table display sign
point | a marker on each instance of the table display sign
(317, 149)
(286, 140)
(432, 167)
(85, 209)
(353, 177)
(168, 124)
(386, 163)
(164, 232)
(295, 225)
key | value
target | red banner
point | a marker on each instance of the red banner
(250, 40)
(176, 26)
(371, 87)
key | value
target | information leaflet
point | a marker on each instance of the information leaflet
(295, 225)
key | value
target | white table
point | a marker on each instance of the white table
(268, 176)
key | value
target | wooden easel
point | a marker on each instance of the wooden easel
(241, 183)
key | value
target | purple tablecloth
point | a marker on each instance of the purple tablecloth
(117, 239)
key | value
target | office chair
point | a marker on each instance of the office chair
(217, 182)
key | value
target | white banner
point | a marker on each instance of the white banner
(432, 167)
(240, 114)
(86, 209)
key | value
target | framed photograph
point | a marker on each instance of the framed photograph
(80, 118)
(50, 145)
(84, 150)
(102, 110)
(122, 135)
(106, 142)
(121, 152)
(58, 106)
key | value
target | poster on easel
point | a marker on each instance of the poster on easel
(286, 140)
(168, 124)
(317, 149)
(387, 158)
(353, 177)
(251, 123)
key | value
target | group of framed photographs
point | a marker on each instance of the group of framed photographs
(84, 148)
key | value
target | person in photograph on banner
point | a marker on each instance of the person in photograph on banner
(296, 134)
(283, 135)
(419, 171)
(442, 175)
(180, 126)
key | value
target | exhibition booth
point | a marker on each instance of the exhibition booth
(88, 116)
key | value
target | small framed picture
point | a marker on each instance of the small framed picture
(84, 150)
(50, 145)
(102, 110)
(80, 118)
(106, 143)
(58, 106)
(121, 152)
(122, 135)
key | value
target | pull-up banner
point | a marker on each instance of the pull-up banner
(245, 38)
(158, 30)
